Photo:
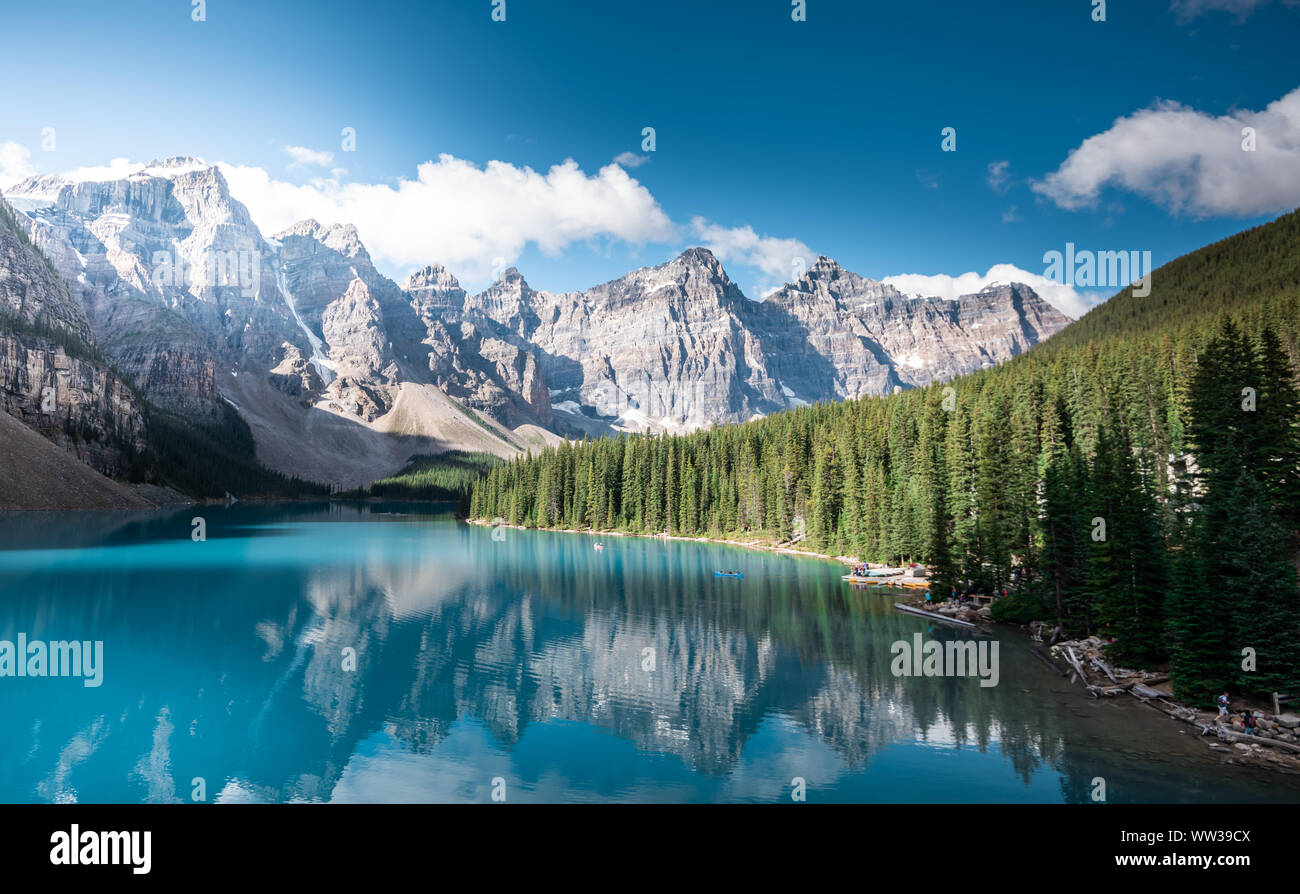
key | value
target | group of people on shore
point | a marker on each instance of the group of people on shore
(1248, 724)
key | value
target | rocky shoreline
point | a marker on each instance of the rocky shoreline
(756, 544)
(1275, 744)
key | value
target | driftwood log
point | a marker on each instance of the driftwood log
(1049, 662)
(1074, 663)
(1140, 687)
(1228, 735)
(1101, 666)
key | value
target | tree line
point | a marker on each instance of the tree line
(1140, 477)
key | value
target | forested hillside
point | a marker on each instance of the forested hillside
(442, 476)
(1069, 464)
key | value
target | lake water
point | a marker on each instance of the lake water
(533, 666)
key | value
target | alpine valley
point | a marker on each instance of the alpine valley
(151, 330)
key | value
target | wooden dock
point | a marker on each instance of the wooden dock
(906, 583)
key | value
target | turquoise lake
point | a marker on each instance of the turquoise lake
(385, 652)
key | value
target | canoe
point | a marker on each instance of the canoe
(728, 574)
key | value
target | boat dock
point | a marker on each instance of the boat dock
(909, 583)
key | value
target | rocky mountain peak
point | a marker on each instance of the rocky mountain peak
(434, 293)
(698, 254)
(37, 188)
(510, 282)
(177, 164)
(825, 267)
(309, 227)
(674, 346)
(342, 238)
(432, 276)
(704, 275)
(508, 301)
(827, 283)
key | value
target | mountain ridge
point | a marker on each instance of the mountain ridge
(299, 329)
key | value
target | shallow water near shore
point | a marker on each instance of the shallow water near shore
(386, 652)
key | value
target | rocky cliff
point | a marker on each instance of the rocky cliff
(53, 377)
(834, 334)
(319, 351)
(299, 332)
(678, 346)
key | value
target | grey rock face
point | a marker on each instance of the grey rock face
(435, 294)
(295, 376)
(678, 346)
(181, 290)
(51, 376)
(170, 270)
(662, 348)
(472, 353)
(836, 335)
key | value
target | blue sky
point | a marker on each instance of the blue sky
(772, 136)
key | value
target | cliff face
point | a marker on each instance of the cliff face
(678, 346)
(168, 269)
(52, 376)
(662, 348)
(188, 298)
(836, 335)
(474, 357)
(167, 273)
(82, 406)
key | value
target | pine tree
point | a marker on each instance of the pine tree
(1262, 592)
(1277, 426)
(1198, 630)
(1064, 533)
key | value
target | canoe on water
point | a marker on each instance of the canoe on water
(728, 574)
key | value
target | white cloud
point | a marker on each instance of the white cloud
(630, 159)
(1188, 161)
(782, 258)
(1064, 298)
(302, 156)
(462, 215)
(15, 164)
(1191, 9)
(116, 169)
(999, 176)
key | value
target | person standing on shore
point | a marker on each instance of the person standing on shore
(1223, 705)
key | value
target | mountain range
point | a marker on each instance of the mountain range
(164, 292)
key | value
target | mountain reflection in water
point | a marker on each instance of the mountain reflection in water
(630, 674)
